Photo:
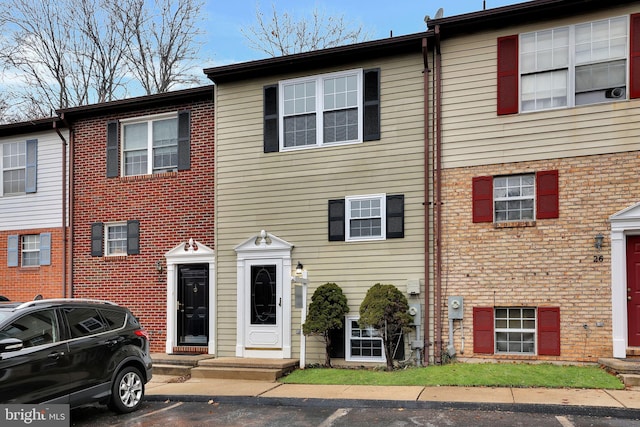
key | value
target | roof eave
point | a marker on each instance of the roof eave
(137, 103)
(318, 59)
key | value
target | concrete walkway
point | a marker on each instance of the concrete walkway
(624, 403)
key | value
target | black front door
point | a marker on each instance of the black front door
(193, 304)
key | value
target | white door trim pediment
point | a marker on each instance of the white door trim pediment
(623, 223)
(263, 247)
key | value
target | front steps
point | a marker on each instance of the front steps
(244, 368)
(207, 366)
(627, 369)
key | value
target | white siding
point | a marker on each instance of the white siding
(42, 209)
(473, 134)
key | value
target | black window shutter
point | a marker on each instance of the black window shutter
(336, 220)
(133, 237)
(371, 128)
(184, 140)
(31, 170)
(97, 229)
(271, 134)
(112, 149)
(395, 216)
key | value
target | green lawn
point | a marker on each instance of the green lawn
(466, 374)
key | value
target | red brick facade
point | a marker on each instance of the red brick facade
(544, 263)
(170, 207)
(24, 283)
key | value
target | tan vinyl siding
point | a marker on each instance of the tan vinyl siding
(287, 193)
(473, 134)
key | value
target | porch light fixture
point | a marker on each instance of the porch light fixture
(299, 269)
(159, 266)
(598, 241)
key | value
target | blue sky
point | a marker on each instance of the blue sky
(225, 43)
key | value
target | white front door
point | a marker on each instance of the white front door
(263, 305)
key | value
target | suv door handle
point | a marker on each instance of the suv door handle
(56, 355)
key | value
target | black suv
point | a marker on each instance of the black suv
(72, 351)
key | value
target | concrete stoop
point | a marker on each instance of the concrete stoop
(244, 368)
(208, 366)
(177, 365)
(627, 369)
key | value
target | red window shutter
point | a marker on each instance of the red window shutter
(483, 330)
(508, 75)
(547, 195)
(482, 189)
(634, 57)
(549, 331)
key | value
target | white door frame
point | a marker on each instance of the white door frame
(269, 249)
(624, 223)
(191, 252)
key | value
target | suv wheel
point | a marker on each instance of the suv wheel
(127, 390)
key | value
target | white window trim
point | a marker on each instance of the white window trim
(347, 334)
(533, 331)
(319, 109)
(23, 251)
(4, 169)
(571, 67)
(106, 238)
(534, 197)
(383, 218)
(142, 119)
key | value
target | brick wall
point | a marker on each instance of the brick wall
(171, 208)
(552, 262)
(24, 283)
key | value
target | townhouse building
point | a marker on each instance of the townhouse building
(142, 186)
(319, 165)
(537, 132)
(33, 210)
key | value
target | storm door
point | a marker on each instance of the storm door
(193, 304)
(264, 306)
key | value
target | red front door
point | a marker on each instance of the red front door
(633, 290)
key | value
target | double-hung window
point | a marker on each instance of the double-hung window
(150, 146)
(365, 217)
(516, 330)
(363, 344)
(18, 161)
(574, 65)
(115, 238)
(321, 110)
(567, 66)
(516, 198)
(29, 250)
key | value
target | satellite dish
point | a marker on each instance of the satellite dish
(439, 13)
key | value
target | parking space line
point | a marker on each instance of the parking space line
(158, 411)
(564, 421)
(339, 413)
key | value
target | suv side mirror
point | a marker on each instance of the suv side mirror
(10, 344)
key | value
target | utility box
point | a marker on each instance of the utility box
(416, 312)
(413, 286)
(456, 308)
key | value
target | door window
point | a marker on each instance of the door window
(263, 294)
(33, 329)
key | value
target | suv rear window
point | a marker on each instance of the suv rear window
(84, 321)
(115, 318)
